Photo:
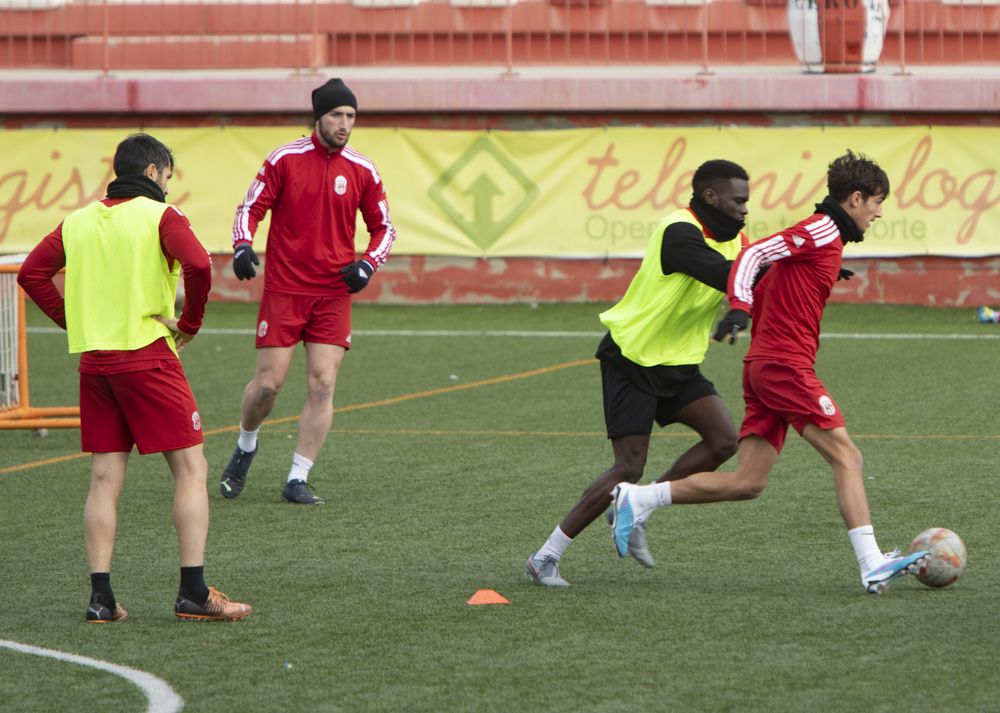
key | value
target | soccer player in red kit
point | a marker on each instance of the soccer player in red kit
(122, 256)
(314, 188)
(780, 386)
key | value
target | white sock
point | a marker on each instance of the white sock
(300, 468)
(554, 546)
(247, 441)
(662, 493)
(652, 496)
(865, 547)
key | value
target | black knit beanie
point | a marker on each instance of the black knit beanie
(331, 95)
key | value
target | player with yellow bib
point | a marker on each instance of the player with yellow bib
(657, 338)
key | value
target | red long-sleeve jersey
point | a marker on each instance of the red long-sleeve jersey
(787, 304)
(178, 242)
(314, 196)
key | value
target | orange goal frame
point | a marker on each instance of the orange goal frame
(23, 414)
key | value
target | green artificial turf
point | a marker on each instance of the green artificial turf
(463, 436)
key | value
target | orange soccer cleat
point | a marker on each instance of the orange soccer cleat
(216, 608)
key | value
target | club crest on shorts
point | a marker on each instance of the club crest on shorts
(262, 328)
(196, 420)
(340, 185)
(826, 403)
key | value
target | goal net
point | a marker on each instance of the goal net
(15, 407)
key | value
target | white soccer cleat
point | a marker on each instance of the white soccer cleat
(877, 581)
(626, 515)
(639, 548)
(545, 571)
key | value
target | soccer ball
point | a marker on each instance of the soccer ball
(947, 560)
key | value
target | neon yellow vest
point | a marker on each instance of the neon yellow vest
(667, 319)
(117, 277)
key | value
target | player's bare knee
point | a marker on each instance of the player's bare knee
(850, 458)
(722, 449)
(100, 477)
(629, 470)
(321, 390)
(263, 394)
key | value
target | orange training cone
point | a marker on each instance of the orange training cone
(487, 596)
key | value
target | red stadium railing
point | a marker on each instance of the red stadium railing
(307, 34)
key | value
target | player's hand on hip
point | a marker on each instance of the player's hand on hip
(244, 258)
(356, 275)
(731, 325)
(180, 338)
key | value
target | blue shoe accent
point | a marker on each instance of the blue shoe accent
(878, 580)
(623, 522)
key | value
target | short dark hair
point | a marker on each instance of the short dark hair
(855, 172)
(711, 172)
(139, 150)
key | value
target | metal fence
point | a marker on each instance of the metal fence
(308, 34)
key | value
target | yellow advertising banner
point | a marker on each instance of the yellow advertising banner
(576, 193)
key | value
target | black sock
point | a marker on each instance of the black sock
(193, 584)
(100, 589)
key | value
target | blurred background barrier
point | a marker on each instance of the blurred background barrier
(832, 35)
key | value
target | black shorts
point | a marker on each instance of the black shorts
(636, 396)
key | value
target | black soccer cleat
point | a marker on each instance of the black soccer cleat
(301, 493)
(234, 477)
(97, 613)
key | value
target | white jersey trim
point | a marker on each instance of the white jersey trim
(381, 252)
(363, 161)
(823, 231)
(762, 253)
(299, 146)
(241, 226)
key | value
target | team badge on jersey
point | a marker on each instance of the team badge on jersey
(262, 328)
(826, 403)
(195, 421)
(340, 185)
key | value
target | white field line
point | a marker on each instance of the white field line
(162, 698)
(557, 335)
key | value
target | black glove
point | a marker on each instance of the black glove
(732, 324)
(845, 274)
(356, 275)
(243, 261)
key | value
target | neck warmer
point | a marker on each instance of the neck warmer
(849, 232)
(721, 226)
(132, 186)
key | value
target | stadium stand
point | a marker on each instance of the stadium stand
(133, 35)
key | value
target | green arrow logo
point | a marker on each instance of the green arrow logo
(483, 192)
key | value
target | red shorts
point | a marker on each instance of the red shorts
(152, 409)
(780, 394)
(286, 320)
